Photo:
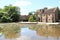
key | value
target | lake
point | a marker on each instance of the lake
(29, 32)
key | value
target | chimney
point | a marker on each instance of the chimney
(45, 8)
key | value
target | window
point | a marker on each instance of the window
(49, 19)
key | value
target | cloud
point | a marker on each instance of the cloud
(22, 3)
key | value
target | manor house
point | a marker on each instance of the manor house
(47, 15)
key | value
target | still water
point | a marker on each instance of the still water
(33, 32)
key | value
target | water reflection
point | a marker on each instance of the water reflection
(47, 30)
(11, 31)
(33, 32)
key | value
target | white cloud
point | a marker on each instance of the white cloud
(23, 6)
(22, 3)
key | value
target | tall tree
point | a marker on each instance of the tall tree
(13, 12)
(9, 14)
(30, 13)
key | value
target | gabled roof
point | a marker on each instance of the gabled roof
(52, 10)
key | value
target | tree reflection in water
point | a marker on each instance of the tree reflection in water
(47, 30)
(0, 29)
(11, 31)
(14, 30)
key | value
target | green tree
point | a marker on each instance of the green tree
(9, 14)
(14, 13)
(32, 18)
(15, 17)
(30, 13)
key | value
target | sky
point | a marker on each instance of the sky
(27, 6)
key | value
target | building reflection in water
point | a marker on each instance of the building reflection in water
(41, 30)
(47, 30)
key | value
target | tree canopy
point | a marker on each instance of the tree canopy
(32, 18)
(30, 13)
(9, 14)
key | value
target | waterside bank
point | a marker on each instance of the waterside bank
(32, 23)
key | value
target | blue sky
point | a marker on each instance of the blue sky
(27, 6)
